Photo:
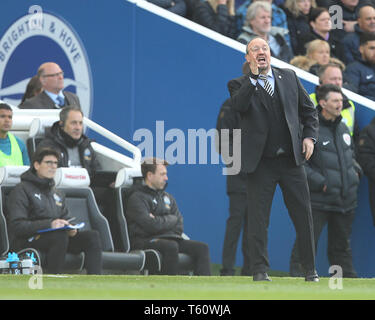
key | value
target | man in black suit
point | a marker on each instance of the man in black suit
(279, 126)
(52, 97)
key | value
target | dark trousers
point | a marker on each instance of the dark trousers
(339, 250)
(261, 186)
(169, 249)
(236, 222)
(56, 244)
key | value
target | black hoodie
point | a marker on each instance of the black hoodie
(32, 205)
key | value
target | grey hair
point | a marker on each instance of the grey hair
(252, 11)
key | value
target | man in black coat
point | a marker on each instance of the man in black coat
(366, 158)
(35, 204)
(52, 97)
(333, 176)
(279, 125)
(155, 222)
(229, 119)
(66, 136)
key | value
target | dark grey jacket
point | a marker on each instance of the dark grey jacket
(366, 158)
(32, 205)
(230, 119)
(43, 101)
(56, 139)
(333, 164)
(168, 221)
(300, 114)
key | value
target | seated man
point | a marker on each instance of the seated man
(35, 204)
(52, 97)
(156, 223)
(366, 23)
(361, 73)
(13, 151)
(67, 138)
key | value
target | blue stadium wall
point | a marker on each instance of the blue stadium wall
(144, 68)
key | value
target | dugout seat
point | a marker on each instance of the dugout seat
(36, 133)
(80, 200)
(125, 179)
(9, 178)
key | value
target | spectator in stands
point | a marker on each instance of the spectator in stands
(258, 24)
(321, 29)
(229, 119)
(297, 12)
(13, 151)
(218, 15)
(318, 54)
(333, 176)
(361, 73)
(156, 223)
(66, 136)
(34, 204)
(175, 6)
(366, 23)
(331, 73)
(278, 17)
(349, 13)
(52, 97)
(366, 158)
(33, 88)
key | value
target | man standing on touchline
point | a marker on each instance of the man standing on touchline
(279, 126)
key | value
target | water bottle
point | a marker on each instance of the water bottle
(28, 263)
(4, 266)
(15, 265)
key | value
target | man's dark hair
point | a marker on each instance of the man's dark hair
(5, 106)
(323, 91)
(149, 165)
(65, 112)
(40, 153)
(366, 37)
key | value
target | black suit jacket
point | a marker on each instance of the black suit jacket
(43, 101)
(300, 114)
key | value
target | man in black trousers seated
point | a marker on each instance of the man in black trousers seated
(154, 222)
(35, 204)
(279, 126)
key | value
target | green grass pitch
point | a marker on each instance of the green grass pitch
(134, 287)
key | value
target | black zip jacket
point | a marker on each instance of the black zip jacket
(32, 205)
(56, 139)
(333, 165)
(167, 221)
(366, 158)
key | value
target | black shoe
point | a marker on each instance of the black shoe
(312, 276)
(263, 276)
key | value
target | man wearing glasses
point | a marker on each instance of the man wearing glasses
(52, 97)
(279, 125)
(35, 204)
